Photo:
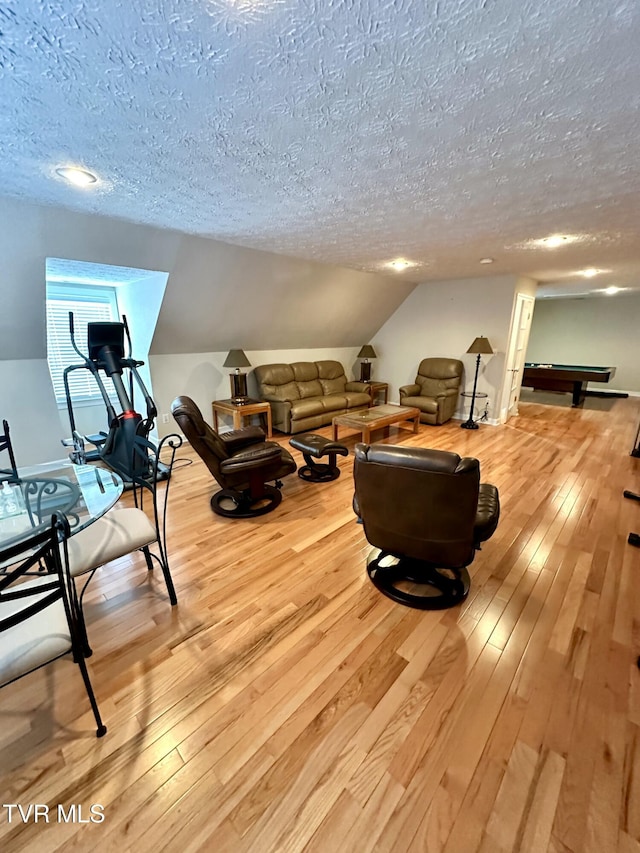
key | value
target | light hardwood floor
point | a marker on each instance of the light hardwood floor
(285, 705)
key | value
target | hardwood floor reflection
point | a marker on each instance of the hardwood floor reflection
(286, 705)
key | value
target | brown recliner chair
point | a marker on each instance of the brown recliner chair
(435, 391)
(241, 461)
(426, 513)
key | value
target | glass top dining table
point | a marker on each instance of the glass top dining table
(82, 492)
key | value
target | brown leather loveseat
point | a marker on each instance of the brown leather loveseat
(308, 394)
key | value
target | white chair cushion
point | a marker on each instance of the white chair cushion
(37, 640)
(117, 533)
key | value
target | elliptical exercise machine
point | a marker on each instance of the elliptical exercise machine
(105, 342)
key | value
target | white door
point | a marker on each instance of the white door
(516, 353)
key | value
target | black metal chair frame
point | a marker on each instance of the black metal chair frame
(39, 555)
(10, 474)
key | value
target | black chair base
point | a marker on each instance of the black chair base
(234, 504)
(317, 446)
(417, 584)
(319, 472)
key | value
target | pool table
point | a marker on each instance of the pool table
(565, 377)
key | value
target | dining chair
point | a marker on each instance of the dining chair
(38, 621)
(122, 531)
(10, 473)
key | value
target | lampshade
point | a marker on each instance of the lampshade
(481, 345)
(236, 358)
(367, 351)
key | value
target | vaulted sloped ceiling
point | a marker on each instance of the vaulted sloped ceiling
(221, 296)
(340, 131)
(217, 296)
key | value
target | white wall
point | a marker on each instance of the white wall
(140, 303)
(27, 401)
(202, 376)
(598, 331)
(218, 297)
(442, 319)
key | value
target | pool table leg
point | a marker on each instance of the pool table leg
(579, 393)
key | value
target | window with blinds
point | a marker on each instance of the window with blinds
(89, 305)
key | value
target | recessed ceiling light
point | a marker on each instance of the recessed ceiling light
(611, 290)
(590, 272)
(399, 264)
(78, 177)
(554, 241)
(486, 260)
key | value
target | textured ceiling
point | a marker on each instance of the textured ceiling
(344, 131)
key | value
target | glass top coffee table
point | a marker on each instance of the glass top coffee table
(377, 417)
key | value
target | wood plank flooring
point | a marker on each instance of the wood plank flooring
(285, 705)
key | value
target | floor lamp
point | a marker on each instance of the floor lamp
(481, 346)
(237, 359)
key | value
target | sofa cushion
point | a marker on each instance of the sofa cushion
(430, 387)
(275, 374)
(357, 398)
(331, 376)
(290, 391)
(304, 371)
(307, 408)
(277, 382)
(447, 369)
(329, 369)
(309, 389)
(425, 404)
(333, 386)
(334, 402)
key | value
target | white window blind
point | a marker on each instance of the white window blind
(89, 305)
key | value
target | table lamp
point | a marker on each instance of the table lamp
(366, 352)
(238, 359)
(481, 346)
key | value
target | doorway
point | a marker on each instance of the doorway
(516, 352)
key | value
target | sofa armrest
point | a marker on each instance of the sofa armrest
(256, 457)
(358, 386)
(237, 438)
(409, 391)
(448, 392)
(281, 414)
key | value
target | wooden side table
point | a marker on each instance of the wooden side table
(240, 411)
(376, 388)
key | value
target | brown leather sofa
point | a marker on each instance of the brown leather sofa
(435, 391)
(308, 394)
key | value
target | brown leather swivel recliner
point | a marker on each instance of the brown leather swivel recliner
(241, 461)
(426, 513)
